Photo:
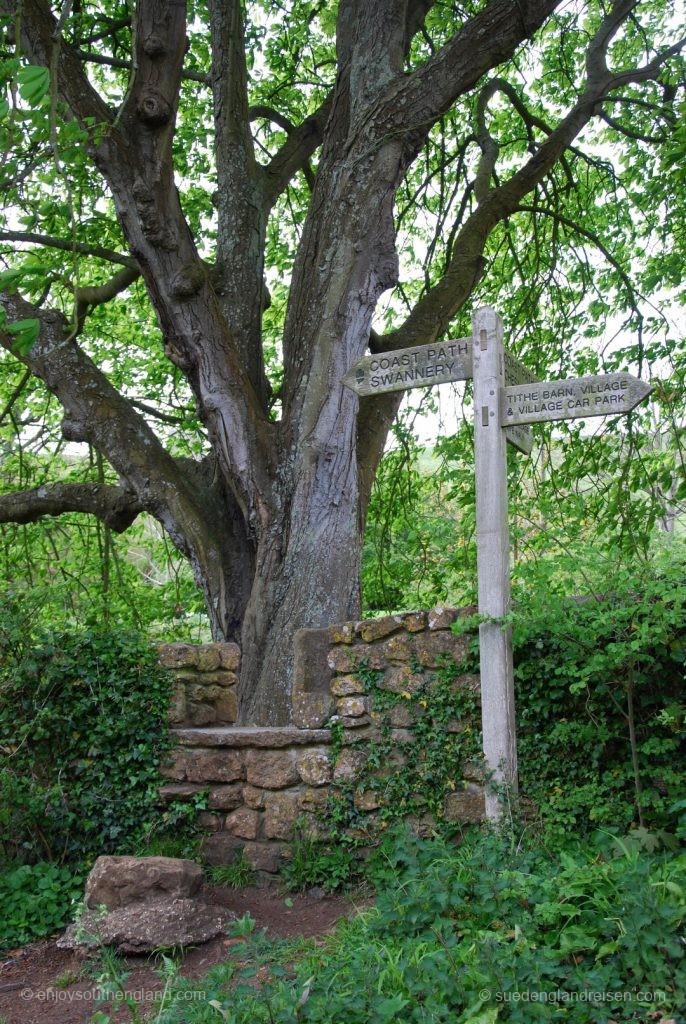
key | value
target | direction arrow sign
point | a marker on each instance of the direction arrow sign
(517, 373)
(577, 398)
(414, 367)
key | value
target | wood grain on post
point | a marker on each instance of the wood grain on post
(493, 559)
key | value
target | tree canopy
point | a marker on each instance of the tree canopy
(212, 210)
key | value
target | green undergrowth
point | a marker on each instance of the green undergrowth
(483, 932)
(83, 733)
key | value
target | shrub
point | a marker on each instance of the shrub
(36, 900)
(82, 733)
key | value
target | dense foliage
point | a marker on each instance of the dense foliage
(82, 734)
(489, 931)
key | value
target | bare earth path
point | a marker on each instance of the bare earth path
(42, 984)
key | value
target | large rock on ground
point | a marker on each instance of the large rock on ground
(159, 923)
(118, 881)
(140, 904)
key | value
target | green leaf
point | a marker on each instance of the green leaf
(25, 333)
(34, 83)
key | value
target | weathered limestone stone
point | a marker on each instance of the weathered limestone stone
(177, 706)
(312, 799)
(235, 737)
(398, 648)
(177, 655)
(401, 716)
(244, 823)
(442, 618)
(264, 856)
(414, 622)
(346, 686)
(402, 736)
(119, 881)
(314, 767)
(281, 810)
(349, 764)
(431, 649)
(375, 629)
(200, 714)
(401, 679)
(178, 791)
(474, 771)
(208, 657)
(221, 677)
(351, 707)
(368, 800)
(271, 769)
(229, 656)
(226, 706)
(342, 633)
(348, 659)
(225, 798)
(213, 765)
(175, 765)
(211, 822)
(312, 710)
(221, 848)
(162, 923)
(253, 797)
(467, 805)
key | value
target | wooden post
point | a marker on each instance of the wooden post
(493, 559)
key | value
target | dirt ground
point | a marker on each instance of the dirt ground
(42, 984)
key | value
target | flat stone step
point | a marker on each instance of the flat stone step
(250, 736)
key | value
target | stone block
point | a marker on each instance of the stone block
(401, 679)
(349, 764)
(221, 678)
(376, 629)
(120, 881)
(467, 805)
(221, 848)
(346, 686)
(264, 856)
(342, 633)
(178, 791)
(401, 716)
(398, 648)
(226, 707)
(354, 722)
(349, 659)
(312, 710)
(244, 823)
(314, 767)
(255, 736)
(414, 622)
(367, 800)
(402, 736)
(208, 821)
(205, 765)
(225, 798)
(351, 707)
(433, 649)
(177, 655)
(175, 766)
(208, 657)
(442, 618)
(229, 656)
(200, 715)
(312, 799)
(177, 705)
(253, 797)
(281, 811)
(271, 769)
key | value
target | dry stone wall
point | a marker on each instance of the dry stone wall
(259, 782)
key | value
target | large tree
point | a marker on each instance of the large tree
(202, 154)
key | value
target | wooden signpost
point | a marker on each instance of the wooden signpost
(506, 398)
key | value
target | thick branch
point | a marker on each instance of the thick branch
(295, 153)
(115, 506)
(432, 314)
(125, 65)
(88, 297)
(50, 242)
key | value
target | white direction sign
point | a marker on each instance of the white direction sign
(414, 367)
(577, 398)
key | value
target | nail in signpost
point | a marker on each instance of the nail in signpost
(506, 398)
